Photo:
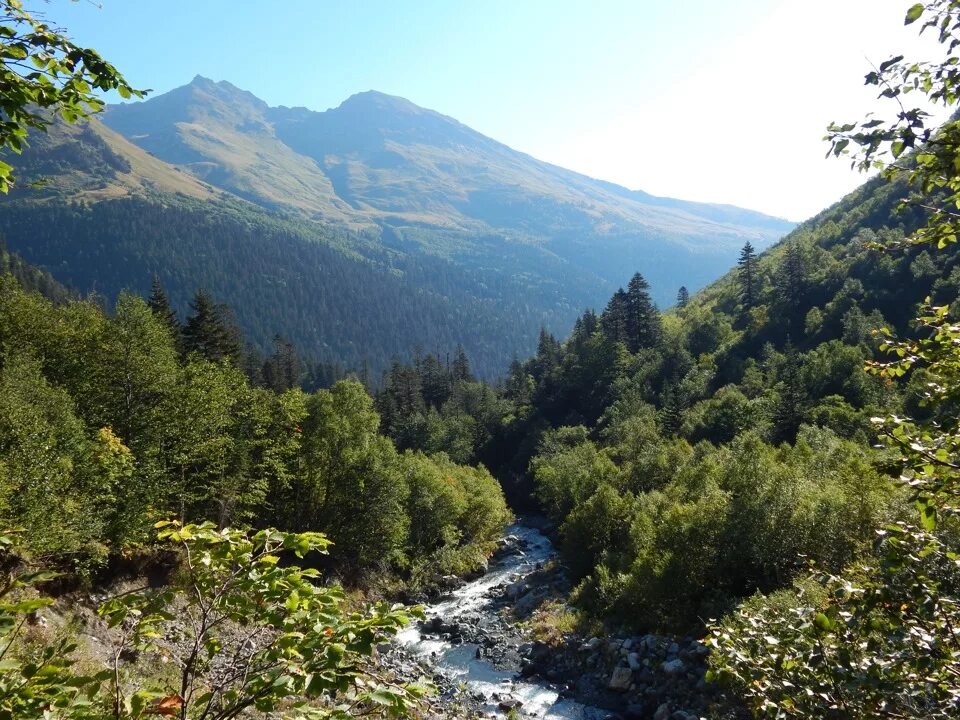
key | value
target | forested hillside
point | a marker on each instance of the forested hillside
(695, 457)
(762, 479)
(356, 308)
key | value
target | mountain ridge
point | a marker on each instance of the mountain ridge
(309, 222)
(381, 160)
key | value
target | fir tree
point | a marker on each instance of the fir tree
(209, 331)
(683, 296)
(435, 381)
(642, 319)
(548, 355)
(614, 318)
(461, 366)
(282, 370)
(792, 278)
(160, 305)
(748, 275)
(671, 412)
(791, 405)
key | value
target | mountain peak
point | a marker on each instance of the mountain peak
(374, 99)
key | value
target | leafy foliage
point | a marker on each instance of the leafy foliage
(257, 634)
(105, 425)
(43, 72)
(879, 640)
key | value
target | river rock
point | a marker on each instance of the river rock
(673, 667)
(662, 712)
(621, 679)
(592, 644)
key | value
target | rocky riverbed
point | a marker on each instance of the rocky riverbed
(484, 664)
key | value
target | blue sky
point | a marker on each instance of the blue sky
(703, 100)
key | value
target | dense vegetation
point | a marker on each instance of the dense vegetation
(110, 422)
(356, 307)
(729, 467)
(695, 458)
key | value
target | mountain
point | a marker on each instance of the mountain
(431, 184)
(360, 233)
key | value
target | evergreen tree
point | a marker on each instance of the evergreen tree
(435, 381)
(282, 370)
(642, 319)
(671, 412)
(519, 386)
(461, 366)
(209, 331)
(159, 304)
(613, 321)
(548, 355)
(791, 280)
(791, 404)
(683, 296)
(748, 275)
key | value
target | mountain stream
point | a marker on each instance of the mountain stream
(475, 606)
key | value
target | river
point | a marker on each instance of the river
(459, 663)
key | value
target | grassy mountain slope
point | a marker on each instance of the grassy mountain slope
(109, 216)
(435, 186)
(91, 162)
(359, 234)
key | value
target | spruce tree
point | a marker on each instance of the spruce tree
(548, 355)
(748, 275)
(461, 366)
(613, 321)
(435, 380)
(643, 319)
(671, 412)
(209, 331)
(791, 405)
(791, 279)
(683, 296)
(282, 369)
(159, 304)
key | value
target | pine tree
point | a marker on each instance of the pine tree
(748, 275)
(643, 319)
(160, 305)
(209, 331)
(683, 296)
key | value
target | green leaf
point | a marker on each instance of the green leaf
(913, 14)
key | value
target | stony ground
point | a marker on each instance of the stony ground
(634, 677)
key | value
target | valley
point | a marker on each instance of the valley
(361, 413)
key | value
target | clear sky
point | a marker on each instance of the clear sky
(713, 100)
